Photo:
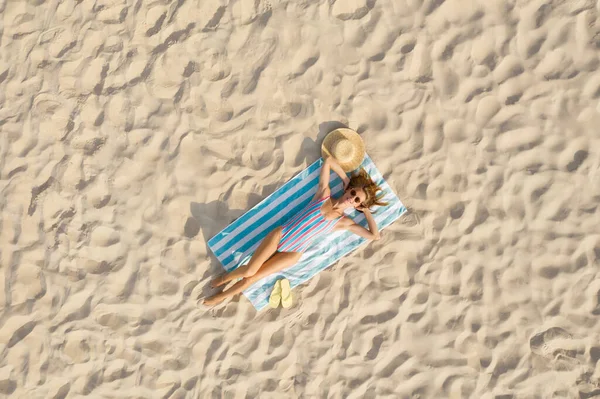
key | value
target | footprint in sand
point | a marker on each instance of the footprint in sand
(550, 343)
(410, 219)
(350, 9)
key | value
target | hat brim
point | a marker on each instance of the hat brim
(355, 140)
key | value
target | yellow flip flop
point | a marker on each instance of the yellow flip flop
(286, 293)
(275, 297)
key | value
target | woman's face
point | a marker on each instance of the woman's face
(354, 196)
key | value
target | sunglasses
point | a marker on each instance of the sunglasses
(356, 198)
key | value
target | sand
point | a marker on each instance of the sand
(131, 132)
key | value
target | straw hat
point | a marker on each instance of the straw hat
(346, 146)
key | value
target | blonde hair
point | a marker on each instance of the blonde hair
(361, 179)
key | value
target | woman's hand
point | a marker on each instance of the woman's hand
(362, 209)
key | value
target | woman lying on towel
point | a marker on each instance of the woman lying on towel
(284, 246)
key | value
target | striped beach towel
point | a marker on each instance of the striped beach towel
(235, 245)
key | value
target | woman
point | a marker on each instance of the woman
(284, 246)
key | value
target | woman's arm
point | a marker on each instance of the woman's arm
(338, 169)
(329, 164)
(372, 224)
(323, 188)
(372, 233)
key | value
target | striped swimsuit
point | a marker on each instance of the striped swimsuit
(298, 233)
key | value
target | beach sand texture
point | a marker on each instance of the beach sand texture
(131, 132)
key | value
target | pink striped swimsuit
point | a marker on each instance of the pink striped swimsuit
(298, 233)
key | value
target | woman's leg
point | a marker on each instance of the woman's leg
(265, 250)
(277, 262)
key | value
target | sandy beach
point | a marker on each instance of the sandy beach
(131, 132)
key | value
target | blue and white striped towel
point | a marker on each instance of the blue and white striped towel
(237, 242)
